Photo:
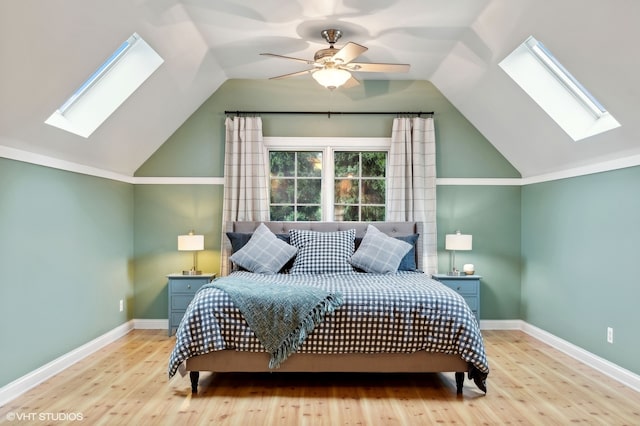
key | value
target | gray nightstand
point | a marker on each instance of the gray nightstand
(182, 288)
(467, 285)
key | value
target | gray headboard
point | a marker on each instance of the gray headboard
(393, 229)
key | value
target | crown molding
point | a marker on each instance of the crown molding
(46, 161)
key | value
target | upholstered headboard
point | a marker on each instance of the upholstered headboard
(394, 229)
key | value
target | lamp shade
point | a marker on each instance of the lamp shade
(331, 77)
(190, 242)
(458, 241)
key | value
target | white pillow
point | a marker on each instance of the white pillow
(379, 253)
(264, 253)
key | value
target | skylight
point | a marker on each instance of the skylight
(107, 88)
(534, 68)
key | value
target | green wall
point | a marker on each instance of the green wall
(491, 214)
(580, 247)
(66, 252)
(196, 149)
(162, 213)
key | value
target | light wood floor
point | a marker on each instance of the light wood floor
(126, 383)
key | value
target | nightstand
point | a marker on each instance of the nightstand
(468, 286)
(182, 288)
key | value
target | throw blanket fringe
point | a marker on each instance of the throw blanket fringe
(280, 315)
(297, 337)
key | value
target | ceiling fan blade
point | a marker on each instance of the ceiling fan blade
(350, 83)
(368, 67)
(306, 61)
(349, 52)
(293, 74)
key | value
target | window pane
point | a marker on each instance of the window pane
(283, 213)
(346, 213)
(282, 163)
(346, 164)
(282, 191)
(310, 164)
(373, 213)
(309, 191)
(374, 164)
(373, 191)
(313, 213)
(346, 191)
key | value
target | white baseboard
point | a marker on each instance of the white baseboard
(608, 368)
(501, 324)
(150, 324)
(21, 385)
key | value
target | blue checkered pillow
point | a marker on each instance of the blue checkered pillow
(379, 253)
(322, 252)
(264, 253)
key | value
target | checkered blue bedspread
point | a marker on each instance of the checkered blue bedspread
(403, 313)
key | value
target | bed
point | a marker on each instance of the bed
(374, 320)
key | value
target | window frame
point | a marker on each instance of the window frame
(328, 145)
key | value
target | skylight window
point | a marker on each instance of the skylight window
(107, 88)
(534, 68)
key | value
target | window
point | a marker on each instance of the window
(360, 186)
(541, 75)
(324, 182)
(295, 185)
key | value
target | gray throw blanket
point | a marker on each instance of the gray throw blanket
(280, 315)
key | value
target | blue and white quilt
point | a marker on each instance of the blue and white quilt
(387, 313)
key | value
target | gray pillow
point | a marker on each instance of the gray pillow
(264, 253)
(379, 253)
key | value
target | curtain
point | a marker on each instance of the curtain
(412, 181)
(246, 195)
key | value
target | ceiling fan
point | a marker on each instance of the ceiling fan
(332, 67)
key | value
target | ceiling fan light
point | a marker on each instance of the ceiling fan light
(331, 78)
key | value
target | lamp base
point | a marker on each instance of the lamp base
(191, 272)
(454, 273)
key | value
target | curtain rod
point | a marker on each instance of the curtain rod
(328, 113)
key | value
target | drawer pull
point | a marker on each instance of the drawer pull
(459, 288)
(189, 286)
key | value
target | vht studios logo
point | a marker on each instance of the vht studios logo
(44, 417)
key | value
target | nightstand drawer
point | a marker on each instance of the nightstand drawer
(176, 317)
(467, 286)
(462, 286)
(179, 302)
(182, 289)
(188, 286)
(472, 301)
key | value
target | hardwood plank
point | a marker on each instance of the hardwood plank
(530, 383)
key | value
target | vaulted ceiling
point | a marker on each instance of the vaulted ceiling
(47, 47)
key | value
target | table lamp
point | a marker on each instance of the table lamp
(192, 243)
(455, 242)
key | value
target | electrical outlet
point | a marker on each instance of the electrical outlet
(121, 305)
(609, 334)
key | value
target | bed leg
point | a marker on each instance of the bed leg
(195, 375)
(459, 382)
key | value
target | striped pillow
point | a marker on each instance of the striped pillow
(379, 253)
(264, 253)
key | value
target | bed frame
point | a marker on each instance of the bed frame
(226, 361)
